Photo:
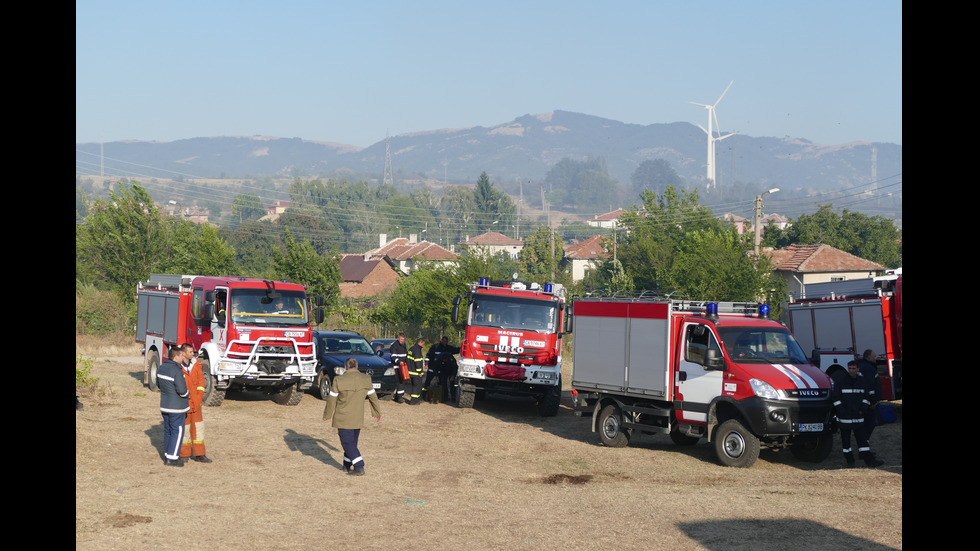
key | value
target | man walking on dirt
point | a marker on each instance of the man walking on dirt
(345, 407)
(193, 443)
(851, 404)
(173, 405)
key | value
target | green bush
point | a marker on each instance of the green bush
(101, 312)
(83, 372)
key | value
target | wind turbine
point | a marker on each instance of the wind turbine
(713, 118)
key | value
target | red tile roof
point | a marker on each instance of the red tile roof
(596, 246)
(609, 215)
(403, 249)
(819, 258)
(353, 267)
(492, 238)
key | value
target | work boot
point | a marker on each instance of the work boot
(870, 460)
(173, 463)
(201, 458)
(849, 457)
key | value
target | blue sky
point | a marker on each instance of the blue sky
(350, 72)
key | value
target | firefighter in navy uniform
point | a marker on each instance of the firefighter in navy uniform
(851, 402)
(416, 368)
(442, 364)
(399, 355)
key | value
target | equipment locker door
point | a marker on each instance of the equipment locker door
(696, 385)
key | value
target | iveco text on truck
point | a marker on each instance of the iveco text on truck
(512, 342)
(251, 334)
(722, 371)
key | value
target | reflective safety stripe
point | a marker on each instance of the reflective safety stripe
(332, 393)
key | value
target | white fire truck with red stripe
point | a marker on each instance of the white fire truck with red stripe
(512, 342)
(723, 371)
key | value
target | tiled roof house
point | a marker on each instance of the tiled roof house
(402, 252)
(801, 265)
(493, 242)
(586, 255)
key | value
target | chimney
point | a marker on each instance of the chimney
(384, 239)
(413, 238)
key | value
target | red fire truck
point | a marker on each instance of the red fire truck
(838, 321)
(723, 371)
(512, 342)
(251, 334)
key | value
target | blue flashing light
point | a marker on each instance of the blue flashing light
(763, 310)
(548, 287)
(484, 281)
(711, 310)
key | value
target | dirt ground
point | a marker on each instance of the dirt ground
(438, 477)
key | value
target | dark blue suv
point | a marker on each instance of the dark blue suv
(332, 350)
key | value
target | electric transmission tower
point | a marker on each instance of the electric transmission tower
(388, 180)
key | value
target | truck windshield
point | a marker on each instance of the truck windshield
(761, 345)
(513, 313)
(253, 307)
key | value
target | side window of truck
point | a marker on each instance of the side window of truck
(196, 304)
(698, 340)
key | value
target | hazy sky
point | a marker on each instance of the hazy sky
(350, 72)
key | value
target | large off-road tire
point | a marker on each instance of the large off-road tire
(611, 431)
(813, 449)
(291, 396)
(735, 445)
(213, 396)
(152, 366)
(467, 396)
(550, 401)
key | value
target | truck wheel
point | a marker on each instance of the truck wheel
(288, 397)
(611, 432)
(466, 397)
(735, 446)
(812, 449)
(152, 365)
(550, 401)
(213, 396)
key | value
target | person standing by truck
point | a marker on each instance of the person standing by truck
(173, 405)
(192, 446)
(345, 408)
(442, 365)
(868, 368)
(399, 355)
(851, 404)
(416, 368)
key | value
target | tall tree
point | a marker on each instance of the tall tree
(654, 175)
(122, 240)
(300, 263)
(541, 257)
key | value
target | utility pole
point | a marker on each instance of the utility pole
(758, 220)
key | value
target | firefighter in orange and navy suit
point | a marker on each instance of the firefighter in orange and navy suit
(193, 443)
(416, 368)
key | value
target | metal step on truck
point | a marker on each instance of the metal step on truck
(717, 370)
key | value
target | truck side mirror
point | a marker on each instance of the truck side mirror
(713, 359)
(569, 319)
(318, 315)
(455, 311)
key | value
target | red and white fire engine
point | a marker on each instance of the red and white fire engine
(512, 342)
(251, 334)
(837, 321)
(723, 371)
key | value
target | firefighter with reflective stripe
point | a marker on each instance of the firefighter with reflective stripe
(345, 408)
(416, 369)
(399, 355)
(173, 405)
(852, 403)
(193, 443)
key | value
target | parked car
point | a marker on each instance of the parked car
(332, 350)
(385, 345)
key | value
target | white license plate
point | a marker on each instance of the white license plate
(377, 385)
(811, 427)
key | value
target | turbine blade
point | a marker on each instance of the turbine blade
(725, 92)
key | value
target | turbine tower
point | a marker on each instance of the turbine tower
(713, 125)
